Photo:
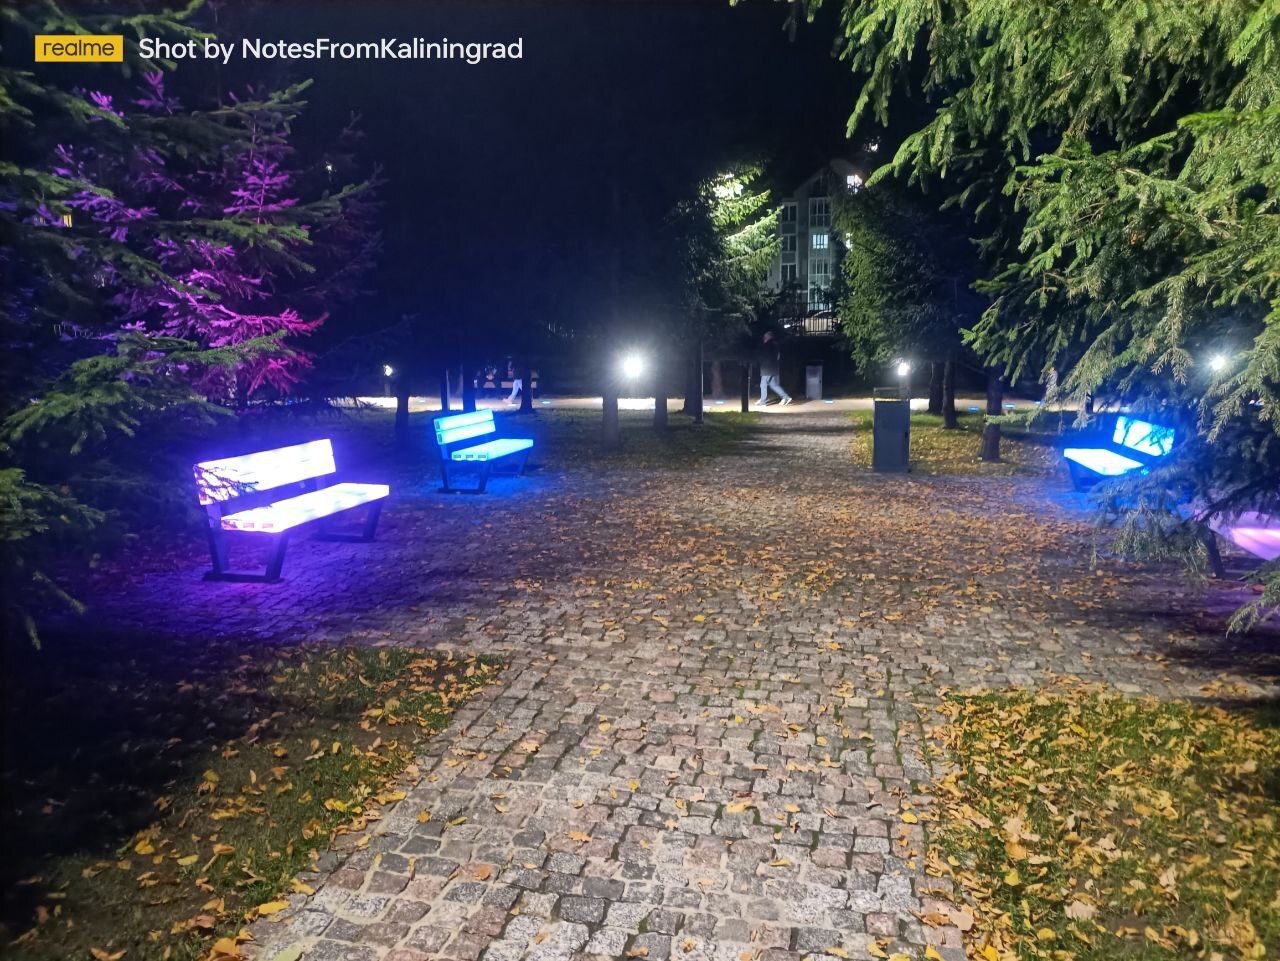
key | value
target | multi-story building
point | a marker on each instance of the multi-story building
(808, 254)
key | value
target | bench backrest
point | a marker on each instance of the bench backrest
(1143, 437)
(229, 477)
(460, 427)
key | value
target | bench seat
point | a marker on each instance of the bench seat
(1256, 533)
(268, 495)
(1101, 461)
(472, 439)
(293, 511)
(492, 450)
(1131, 446)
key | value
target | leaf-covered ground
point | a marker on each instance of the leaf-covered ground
(935, 450)
(642, 612)
(325, 735)
(1087, 825)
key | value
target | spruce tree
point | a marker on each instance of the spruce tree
(1135, 147)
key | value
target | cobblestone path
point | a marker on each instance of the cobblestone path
(709, 732)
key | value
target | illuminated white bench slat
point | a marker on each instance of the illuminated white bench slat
(493, 449)
(273, 492)
(293, 511)
(455, 433)
(1133, 445)
(1101, 461)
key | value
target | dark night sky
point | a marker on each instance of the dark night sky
(498, 173)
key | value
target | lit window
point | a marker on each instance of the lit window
(820, 240)
(853, 182)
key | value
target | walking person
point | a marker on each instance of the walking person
(770, 369)
(517, 383)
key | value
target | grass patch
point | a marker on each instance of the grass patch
(935, 450)
(1086, 825)
(332, 731)
(571, 438)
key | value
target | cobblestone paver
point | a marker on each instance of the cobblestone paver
(710, 729)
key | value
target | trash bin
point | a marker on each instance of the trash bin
(813, 382)
(891, 432)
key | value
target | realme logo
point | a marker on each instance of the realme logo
(79, 48)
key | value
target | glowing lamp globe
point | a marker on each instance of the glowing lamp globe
(632, 366)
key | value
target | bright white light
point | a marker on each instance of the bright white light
(1217, 363)
(853, 181)
(328, 167)
(903, 368)
(387, 370)
(632, 366)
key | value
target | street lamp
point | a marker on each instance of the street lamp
(904, 369)
(1217, 363)
(387, 373)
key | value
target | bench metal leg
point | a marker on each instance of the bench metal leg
(368, 528)
(219, 550)
(371, 520)
(275, 560)
(1211, 551)
(524, 462)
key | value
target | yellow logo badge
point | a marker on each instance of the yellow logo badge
(79, 48)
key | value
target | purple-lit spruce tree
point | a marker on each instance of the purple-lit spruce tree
(156, 262)
(249, 282)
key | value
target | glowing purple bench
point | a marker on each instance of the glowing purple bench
(470, 439)
(1259, 534)
(273, 493)
(1133, 445)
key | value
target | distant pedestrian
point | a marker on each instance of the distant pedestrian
(517, 383)
(770, 369)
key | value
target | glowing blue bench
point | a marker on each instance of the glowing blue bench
(468, 439)
(244, 495)
(1133, 445)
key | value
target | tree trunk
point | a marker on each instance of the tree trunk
(611, 436)
(717, 380)
(949, 419)
(444, 389)
(936, 378)
(995, 407)
(689, 391)
(468, 389)
(526, 387)
(660, 407)
(696, 408)
(402, 412)
(746, 386)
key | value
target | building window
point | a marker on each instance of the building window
(819, 212)
(819, 283)
(789, 245)
(820, 240)
(790, 274)
(788, 214)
